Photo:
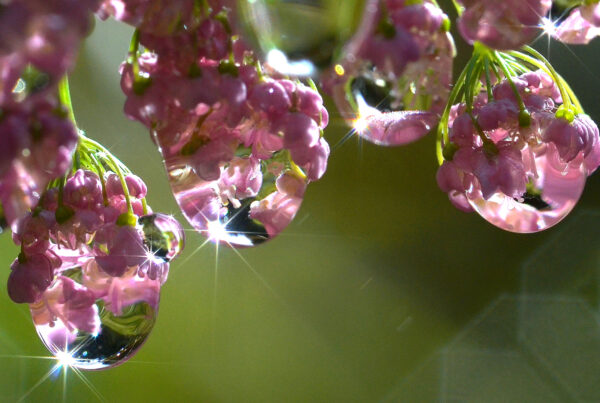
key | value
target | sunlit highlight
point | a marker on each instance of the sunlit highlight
(65, 359)
(279, 61)
(361, 124)
(216, 231)
(548, 26)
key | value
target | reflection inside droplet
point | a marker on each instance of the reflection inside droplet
(210, 208)
(95, 321)
(549, 198)
(163, 235)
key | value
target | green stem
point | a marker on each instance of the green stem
(101, 172)
(64, 95)
(459, 8)
(488, 80)
(572, 95)
(117, 166)
(472, 79)
(144, 206)
(524, 117)
(134, 45)
(442, 134)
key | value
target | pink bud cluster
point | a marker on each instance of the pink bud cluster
(38, 45)
(237, 133)
(502, 25)
(37, 143)
(81, 245)
(581, 26)
(495, 150)
(44, 34)
(405, 50)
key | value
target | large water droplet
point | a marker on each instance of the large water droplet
(93, 321)
(549, 198)
(240, 216)
(407, 68)
(299, 37)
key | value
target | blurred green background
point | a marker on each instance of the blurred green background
(379, 290)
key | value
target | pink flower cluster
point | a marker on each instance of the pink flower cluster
(494, 155)
(502, 25)
(81, 245)
(229, 133)
(37, 143)
(44, 34)
(399, 60)
(581, 26)
(38, 45)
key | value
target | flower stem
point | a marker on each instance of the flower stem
(92, 147)
(459, 8)
(64, 96)
(524, 116)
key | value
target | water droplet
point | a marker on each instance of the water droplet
(90, 320)
(163, 235)
(549, 198)
(279, 30)
(250, 203)
(407, 70)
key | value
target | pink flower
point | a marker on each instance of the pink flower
(83, 190)
(271, 98)
(310, 103)
(502, 25)
(215, 149)
(30, 276)
(313, 160)
(299, 132)
(70, 303)
(278, 209)
(120, 292)
(242, 178)
(456, 182)
(125, 249)
(581, 26)
(14, 137)
(570, 139)
(503, 172)
(397, 128)
(33, 234)
(201, 204)
(38, 146)
(135, 185)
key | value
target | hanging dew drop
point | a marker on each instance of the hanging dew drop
(548, 200)
(93, 321)
(240, 217)
(395, 63)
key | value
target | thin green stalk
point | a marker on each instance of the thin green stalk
(524, 118)
(572, 95)
(114, 163)
(64, 96)
(488, 80)
(459, 8)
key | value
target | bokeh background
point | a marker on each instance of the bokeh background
(379, 290)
